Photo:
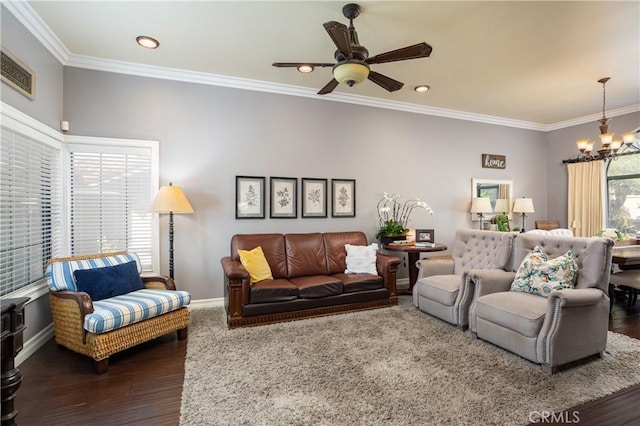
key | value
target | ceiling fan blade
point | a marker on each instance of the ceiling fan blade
(339, 33)
(385, 82)
(420, 50)
(329, 87)
(297, 64)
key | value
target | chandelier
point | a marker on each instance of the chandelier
(610, 147)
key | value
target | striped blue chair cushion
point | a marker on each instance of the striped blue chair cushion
(60, 273)
(119, 311)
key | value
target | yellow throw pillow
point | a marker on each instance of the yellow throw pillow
(256, 264)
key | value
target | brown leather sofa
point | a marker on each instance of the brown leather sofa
(308, 279)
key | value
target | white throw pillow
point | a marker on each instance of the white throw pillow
(361, 259)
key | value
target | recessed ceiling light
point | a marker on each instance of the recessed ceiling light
(422, 88)
(305, 68)
(148, 42)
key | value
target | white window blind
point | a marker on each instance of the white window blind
(29, 208)
(109, 196)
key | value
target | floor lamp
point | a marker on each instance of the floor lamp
(481, 205)
(523, 205)
(170, 199)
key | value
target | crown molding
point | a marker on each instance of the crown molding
(151, 71)
(32, 21)
(594, 117)
(28, 17)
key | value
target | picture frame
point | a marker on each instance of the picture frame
(283, 198)
(250, 201)
(313, 197)
(343, 198)
(425, 236)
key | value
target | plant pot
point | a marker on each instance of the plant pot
(386, 239)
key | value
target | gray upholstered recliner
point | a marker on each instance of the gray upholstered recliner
(442, 288)
(569, 325)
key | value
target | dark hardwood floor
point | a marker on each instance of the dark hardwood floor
(144, 386)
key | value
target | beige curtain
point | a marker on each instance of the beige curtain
(503, 192)
(585, 197)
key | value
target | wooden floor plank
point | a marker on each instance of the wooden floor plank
(144, 385)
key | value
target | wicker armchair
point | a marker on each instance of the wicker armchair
(101, 328)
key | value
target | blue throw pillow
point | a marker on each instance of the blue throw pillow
(110, 281)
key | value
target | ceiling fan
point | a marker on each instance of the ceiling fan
(352, 59)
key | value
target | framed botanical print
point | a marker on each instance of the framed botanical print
(250, 197)
(343, 197)
(314, 197)
(283, 197)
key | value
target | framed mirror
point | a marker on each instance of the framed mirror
(494, 189)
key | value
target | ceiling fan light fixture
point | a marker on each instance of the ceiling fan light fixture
(351, 73)
(422, 88)
(148, 42)
(305, 68)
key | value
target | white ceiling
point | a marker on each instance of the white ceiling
(535, 62)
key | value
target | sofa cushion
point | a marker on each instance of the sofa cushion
(353, 283)
(441, 288)
(315, 286)
(272, 247)
(539, 275)
(520, 312)
(361, 259)
(256, 264)
(305, 255)
(334, 243)
(268, 291)
(60, 271)
(108, 281)
(119, 311)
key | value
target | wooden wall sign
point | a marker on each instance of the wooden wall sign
(491, 161)
(17, 75)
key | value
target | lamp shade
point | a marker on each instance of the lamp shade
(171, 199)
(523, 205)
(351, 73)
(481, 205)
(502, 205)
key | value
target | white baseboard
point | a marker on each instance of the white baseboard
(206, 303)
(32, 345)
(403, 281)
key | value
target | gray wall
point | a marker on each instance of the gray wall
(208, 135)
(46, 108)
(561, 145)
(47, 105)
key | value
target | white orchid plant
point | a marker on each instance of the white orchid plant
(612, 233)
(394, 215)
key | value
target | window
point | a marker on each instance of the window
(110, 187)
(623, 193)
(29, 204)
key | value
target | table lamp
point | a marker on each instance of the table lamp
(523, 206)
(502, 206)
(170, 199)
(481, 205)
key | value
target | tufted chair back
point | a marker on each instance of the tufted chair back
(476, 249)
(593, 256)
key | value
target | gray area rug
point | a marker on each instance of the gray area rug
(391, 366)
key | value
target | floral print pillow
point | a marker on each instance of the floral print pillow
(539, 275)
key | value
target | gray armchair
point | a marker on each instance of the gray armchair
(569, 325)
(443, 289)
